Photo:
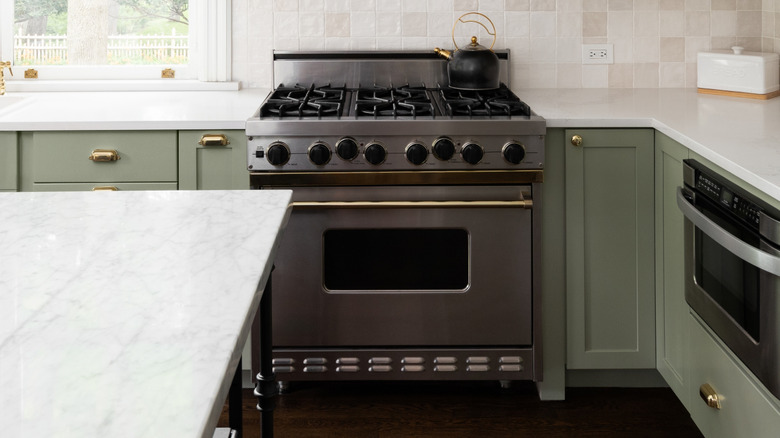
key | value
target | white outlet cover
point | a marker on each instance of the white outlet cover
(608, 48)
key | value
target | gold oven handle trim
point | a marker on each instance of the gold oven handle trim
(527, 204)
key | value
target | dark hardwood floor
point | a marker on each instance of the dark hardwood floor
(467, 409)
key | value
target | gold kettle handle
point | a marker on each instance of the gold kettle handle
(460, 20)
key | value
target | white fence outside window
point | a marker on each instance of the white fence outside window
(122, 49)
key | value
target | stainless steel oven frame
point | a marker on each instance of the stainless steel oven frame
(762, 355)
(457, 198)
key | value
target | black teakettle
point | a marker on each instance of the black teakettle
(473, 67)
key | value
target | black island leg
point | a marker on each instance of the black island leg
(265, 387)
(235, 415)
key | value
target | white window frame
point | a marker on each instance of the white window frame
(209, 67)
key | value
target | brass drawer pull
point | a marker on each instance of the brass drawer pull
(102, 155)
(104, 189)
(710, 396)
(213, 140)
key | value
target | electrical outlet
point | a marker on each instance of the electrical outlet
(597, 54)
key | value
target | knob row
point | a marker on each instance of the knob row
(347, 149)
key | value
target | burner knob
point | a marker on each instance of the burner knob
(319, 153)
(347, 148)
(443, 148)
(375, 153)
(472, 153)
(416, 153)
(513, 152)
(278, 153)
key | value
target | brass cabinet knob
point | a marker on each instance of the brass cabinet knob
(213, 140)
(710, 396)
(576, 140)
(102, 155)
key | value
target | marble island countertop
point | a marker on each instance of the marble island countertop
(124, 314)
(741, 135)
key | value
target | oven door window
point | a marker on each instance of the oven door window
(731, 282)
(414, 259)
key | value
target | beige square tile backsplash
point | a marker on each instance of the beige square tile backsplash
(655, 41)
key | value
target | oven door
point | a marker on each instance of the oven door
(405, 266)
(732, 283)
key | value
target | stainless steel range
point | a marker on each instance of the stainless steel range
(413, 247)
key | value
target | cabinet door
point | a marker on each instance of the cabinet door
(609, 249)
(9, 161)
(671, 308)
(214, 166)
(747, 409)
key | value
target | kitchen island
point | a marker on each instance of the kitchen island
(124, 314)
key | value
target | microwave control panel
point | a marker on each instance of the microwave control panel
(728, 199)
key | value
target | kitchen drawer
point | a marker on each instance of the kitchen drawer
(143, 156)
(747, 408)
(83, 187)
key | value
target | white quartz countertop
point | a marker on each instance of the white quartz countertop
(123, 314)
(129, 110)
(741, 135)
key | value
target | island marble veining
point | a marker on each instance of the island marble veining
(123, 314)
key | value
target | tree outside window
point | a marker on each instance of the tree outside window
(101, 32)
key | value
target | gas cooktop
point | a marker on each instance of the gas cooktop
(387, 111)
(381, 102)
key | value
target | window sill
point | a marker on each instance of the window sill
(24, 86)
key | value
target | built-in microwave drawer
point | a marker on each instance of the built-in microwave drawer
(104, 156)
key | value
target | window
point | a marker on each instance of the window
(117, 39)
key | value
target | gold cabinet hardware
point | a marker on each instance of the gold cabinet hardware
(103, 155)
(710, 396)
(31, 73)
(104, 189)
(576, 140)
(213, 140)
(168, 73)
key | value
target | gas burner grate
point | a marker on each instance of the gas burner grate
(500, 102)
(300, 102)
(404, 101)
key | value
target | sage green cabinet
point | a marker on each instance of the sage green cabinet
(9, 160)
(671, 308)
(56, 160)
(206, 162)
(610, 288)
(82, 187)
(747, 409)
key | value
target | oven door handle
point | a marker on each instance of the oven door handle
(760, 259)
(525, 203)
